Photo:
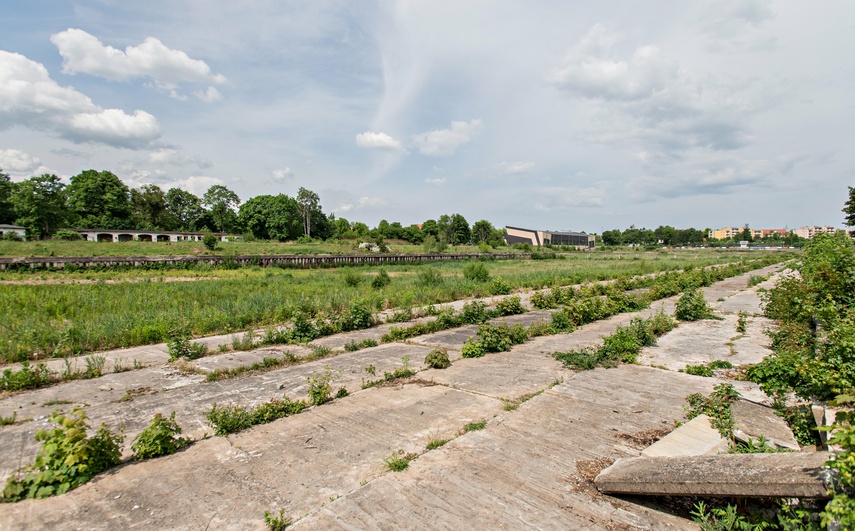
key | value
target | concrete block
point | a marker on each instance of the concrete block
(696, 437)
(784, 475)
(755, 420)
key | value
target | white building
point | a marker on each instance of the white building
(13, 229)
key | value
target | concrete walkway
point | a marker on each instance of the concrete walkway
(531, 467)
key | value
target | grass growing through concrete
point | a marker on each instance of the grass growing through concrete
(231, 419)
(399, 461)
(266, 364)
(475, 426)
(401, 372)
(51, 320)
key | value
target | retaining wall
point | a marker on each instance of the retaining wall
(296, 261)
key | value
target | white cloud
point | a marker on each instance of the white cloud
(514, 168)
(734, 25)
(437, 181)
(197, 184)
(209, 96)
(17, 161)
(590, 70)
(559, 199)
(362, 202)
(281, 174)
(82, 52)
(444, 142)
(29, 97)
(370, 139)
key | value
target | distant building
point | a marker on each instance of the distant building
(537, 238)
(725, 233)
(13, 229)
(810, 232)
(111, 235)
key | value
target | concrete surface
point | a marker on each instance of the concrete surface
(696, 437)
(755, 420)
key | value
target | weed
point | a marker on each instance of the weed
(353, 346)
(429, 277)
(717, 406)
(742, 321)
(437, 359)
(266, 364)
(476, 271)
(398, 461)
(755, 446)
(721, 519)
(510, 306)
(511, 404)
(159, 438)
(475, 426)
(341, 393)
(276, 523)
(181, 347)
(320, 386)
(231, 419)
(66, 459)
(402, 372)
(500, 287)
(27, 377)
(352, 278)
(692, 306)
(381, 280)
(370, 369)
(244, 342)
(433, 444)
(5, 421)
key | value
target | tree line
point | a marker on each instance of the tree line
(670, 236)
(99, 199)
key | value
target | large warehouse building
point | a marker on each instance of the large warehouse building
(536, 238)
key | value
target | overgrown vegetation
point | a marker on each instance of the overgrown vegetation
(402, 372)
(266, 364)
(234, 418)
(159, 438)
(276, 522)
(717, 407)
(437, 359)
(708, 369)
(692, 306)
(399, 461)
(66, 460)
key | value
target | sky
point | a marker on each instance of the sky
(550, 115)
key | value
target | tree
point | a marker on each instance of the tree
(185, 207)
(308, 203)
(99, 199)
(746, 235)
(148, 203)
(222, 203)
(849, 209)
(482, 231)
(40, 204)
(430, 227)
(7, 211)
(270, 217)
(612, 237)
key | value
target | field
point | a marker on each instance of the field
(58, 314)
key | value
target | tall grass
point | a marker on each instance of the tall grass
(50, 320)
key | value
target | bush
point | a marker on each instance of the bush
(12, 236)
(181, 347)
(510, 306)
(320, 387)
(68, 235)
(500, 287)
(472, 349)
(357, 317)
(474, 312)
(381, 280)
(352, 278)
(437, 359)
(429, 276)
(210, 241)
(159, 438)
(476, 271)
(66, 459)
(692, 306)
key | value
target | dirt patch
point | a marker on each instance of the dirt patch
(643, 439)
(587, 471)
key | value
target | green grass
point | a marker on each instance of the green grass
(475, 426)
(51, 320)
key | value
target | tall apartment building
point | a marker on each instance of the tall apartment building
(810, 232)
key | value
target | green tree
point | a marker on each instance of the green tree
(7, 210)
(185, 207)
(222, 203)
(271, 217)
(482, 230)
(99, 199)
(308, 203)
(746, 235)
(849, 209)
(40, 204)
(430, 227)
(148, 203)
(612, 237)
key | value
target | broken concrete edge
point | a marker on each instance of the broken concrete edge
(696, 437)
(779, 475)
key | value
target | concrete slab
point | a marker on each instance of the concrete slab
(454, 338)
(696, 437)
(784, 475)
(755, 420)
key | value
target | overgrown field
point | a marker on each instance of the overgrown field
(51, 320)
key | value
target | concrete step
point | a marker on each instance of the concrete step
(696, 437)
(780, 475)
(755, 420)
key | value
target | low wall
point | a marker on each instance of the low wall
(296, 261)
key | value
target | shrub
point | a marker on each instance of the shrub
(66, 459)
(437, 359)
(68, 235)
(320, 387)
(500, 287)
(476, 271)
(381, 280)
(692, 306)
(357, 317)
(429, 276)
(717, 406)
(561, 322)
(210, 241)
(474, 312)
(159, 438)
(276, 523)
(181, 347)
(543, 300)
(510, 306)
(352, 278)
(231, 419)
(472, 349)
(28, 377)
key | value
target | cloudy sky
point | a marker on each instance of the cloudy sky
(545, 114)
